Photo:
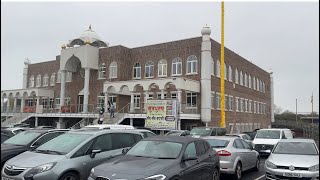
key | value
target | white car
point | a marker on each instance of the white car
(109, 126)
(266, 139)
(293, 159)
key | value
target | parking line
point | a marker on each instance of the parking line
(259, 177)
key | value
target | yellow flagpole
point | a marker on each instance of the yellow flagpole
(223, 118)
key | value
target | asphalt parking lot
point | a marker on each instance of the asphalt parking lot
(251, 175)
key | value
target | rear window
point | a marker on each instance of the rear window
(218, 143)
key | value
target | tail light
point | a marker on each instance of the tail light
(224, 153)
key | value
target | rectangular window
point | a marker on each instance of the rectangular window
(51, 103)
(191, 100)
(226, 102)
(241, 105)
(162, 70)
(212, 100)
(57, 103)
(150, 96)
(250, 104)
(136, 101)
(113, 71)
(192, 67)
(231, 103)
(30, 102)
(44, 103)
(174, 95)
(102, 72)
(159, 95)
(137, 72)
(255, 107)
(218, 101)
(100, 101)
(246, 105)
(237, 104)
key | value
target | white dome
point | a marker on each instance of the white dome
(206, 31)
(90, 36)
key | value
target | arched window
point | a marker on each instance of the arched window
(218, 69)
(137, 71)
(31, 81)
(102, 71)
(241, 78)
(245, 79)
(38, 82)
(192, 64)
(113, 70)
(149, 69)
(250, 81)
(230, 73)
(45, 80)
(177, 66)
(212, 67)
(236, 76)
(162, 68)
(225, 72)
(53, 79)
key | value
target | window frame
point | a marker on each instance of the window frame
(163, 68)
(176, 62)
(149, 69)
(192, 62)
(191, 105)
(137, 71)
(113, 70)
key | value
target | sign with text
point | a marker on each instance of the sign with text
(161, 114)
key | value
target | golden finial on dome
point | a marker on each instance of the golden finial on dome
(87, 41)
(63, 46)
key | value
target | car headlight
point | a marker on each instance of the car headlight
(252, 145)
(314, 168)
(156, 177)
(39, 169)
(271, 165)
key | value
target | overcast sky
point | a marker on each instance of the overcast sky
(283, 36)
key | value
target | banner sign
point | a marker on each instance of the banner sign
(161, 114)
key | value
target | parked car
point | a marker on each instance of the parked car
(236, 155)
(4, 137)
(243, 136)
(13, 131)
(293, 159)
(44, 127)
(71, 155)
(252, 134)
(26, 140)
(266, 139)
(146, 133)
(109, 126)
(207, 131)
(163, 157)
(178, 133)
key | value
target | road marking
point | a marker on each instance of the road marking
(259, 177)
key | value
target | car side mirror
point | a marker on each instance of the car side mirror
(189, 157)
(94, 152)
(125, 150)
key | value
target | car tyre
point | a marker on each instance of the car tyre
(69, 176)
(216, 174)
(238, 172)
(256, 168)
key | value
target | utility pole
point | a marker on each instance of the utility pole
(296, 111)
(222, 101)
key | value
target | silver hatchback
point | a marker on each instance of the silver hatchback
(70, 155)
(236, 155)
(293, 159)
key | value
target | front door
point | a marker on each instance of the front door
(80, 103)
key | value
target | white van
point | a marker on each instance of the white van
(109, 126)
(266, 139)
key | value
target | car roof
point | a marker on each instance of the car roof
(209, 127)
(142, 130)
(297, 140)
(274, 129)
(107, 125)
(46, 130)
(229, 138)
(16, 128)
(101, 131)
(178, 139)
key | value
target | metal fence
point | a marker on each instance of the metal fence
(301, 129)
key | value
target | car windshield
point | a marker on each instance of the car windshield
(201, 131)
(174, 133)
(64, 143)
(268, 134)
(23, 138)
(156, 149)
(218, 143)
(297, 148)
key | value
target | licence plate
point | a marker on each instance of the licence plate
(298, 175)
(4, 178)
(266, 151)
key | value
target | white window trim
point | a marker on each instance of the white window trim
(180, 62)
(237, 104)
(163, 69)
(188, 92)
(192, 62)
(111, 67)
(149, 67)
(218, 94)
(214, 99)
(138, 67)
(231, 103)
(136, 94)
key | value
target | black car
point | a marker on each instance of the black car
(251, 134)
(26, 140)
(162, 157)
(178, 133)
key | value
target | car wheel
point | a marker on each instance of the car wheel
(238, 171)
(216, 174)
(256, 168)
(69, 176)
